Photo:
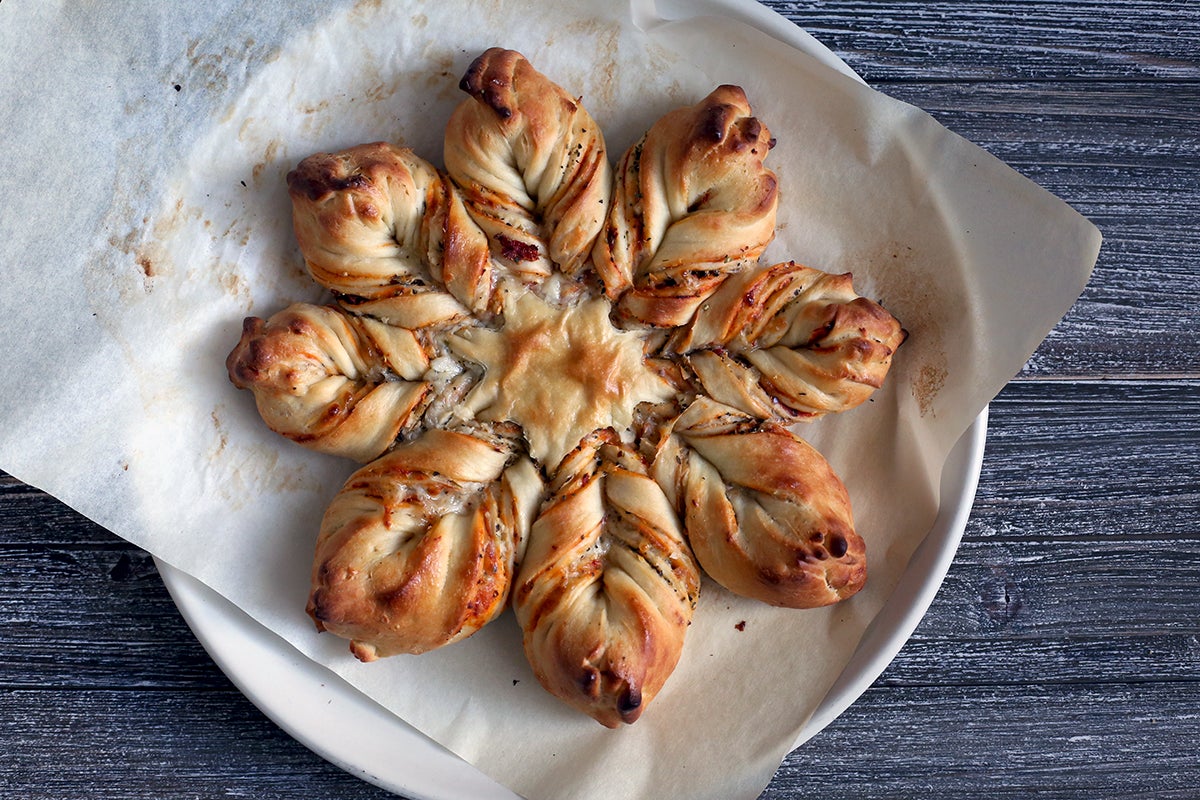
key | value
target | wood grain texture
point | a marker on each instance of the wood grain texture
(154, 745)
(1127, 156)
(1061, 657)
(94, 617)
(1101, 461)
(1017, 39)
(1079, 741)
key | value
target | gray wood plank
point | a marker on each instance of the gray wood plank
(1076, 741)
(1102, 460)
(987, 41)
(1042, 613)
(160, 745)
(1109, 741)
(26, 518)
(1127, 156)
(93, 617)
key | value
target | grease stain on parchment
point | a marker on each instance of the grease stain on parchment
(235, 285)
(315, 108)
(367, 7)
(150, 260)
(441, 76)
(222, 437)
(269, 158)
(603, 37)
(243, 471)
(901, 283)
(663, 62)
(209, 70)
(929, 382)
(157, 268)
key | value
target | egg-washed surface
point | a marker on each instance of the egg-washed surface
(559, 373)
(569, 332)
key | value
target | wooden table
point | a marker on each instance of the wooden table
(1062, 655)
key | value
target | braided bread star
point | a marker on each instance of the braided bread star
(570, 387)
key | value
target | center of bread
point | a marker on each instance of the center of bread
(559, 373)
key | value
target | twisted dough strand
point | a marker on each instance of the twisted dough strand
(692, 203)
(531, 163)
(418, 549)
(333, 382)
(765, 514)
(608, 585)
(790, 341)
(383, 228)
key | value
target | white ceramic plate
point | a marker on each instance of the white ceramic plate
(346, 728)
(336, 721)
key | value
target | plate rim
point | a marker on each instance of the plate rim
(295, 691)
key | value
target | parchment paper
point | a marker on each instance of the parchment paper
(146, 214)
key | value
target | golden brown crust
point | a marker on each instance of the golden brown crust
(692, 203)
(765, 514)
(531, 163)
(330, 381)
(419, 547)
(559, 373)
(382, 228)
(703, 357)
(608, 585)
(790, 341)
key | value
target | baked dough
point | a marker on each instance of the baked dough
(384, 230)
(766, 515)
(560, 373)
(608, 585)
(692, 203)
(532, 166)
(790, 341)
(418, 548)
(331, 381)
(570, 402)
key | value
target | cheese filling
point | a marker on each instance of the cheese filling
(559, 373)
